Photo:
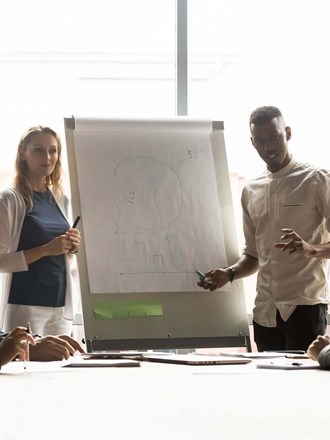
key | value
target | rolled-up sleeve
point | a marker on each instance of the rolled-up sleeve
(250, 247)
(321, 185)
(10, 259)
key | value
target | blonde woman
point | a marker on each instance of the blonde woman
(36, 241)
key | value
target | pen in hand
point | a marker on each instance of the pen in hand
(73, 238)
(200, 274)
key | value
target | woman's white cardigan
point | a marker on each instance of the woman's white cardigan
(12, 213)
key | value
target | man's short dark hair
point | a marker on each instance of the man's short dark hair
(264, 114)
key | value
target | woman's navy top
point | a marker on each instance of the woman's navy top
(44, 283)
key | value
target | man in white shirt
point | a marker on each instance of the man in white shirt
(290, 201)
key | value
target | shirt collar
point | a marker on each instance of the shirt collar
(283, 171)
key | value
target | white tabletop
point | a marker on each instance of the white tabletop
(158, 401)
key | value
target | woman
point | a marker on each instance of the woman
(36, 241)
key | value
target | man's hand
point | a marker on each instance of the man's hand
(295, 244)
(317, 345)
(214, 279)
(54, 348)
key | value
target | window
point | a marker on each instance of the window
(117, 58)
(243, 54)
(81, 58)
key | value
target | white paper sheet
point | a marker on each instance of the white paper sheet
(149, 206)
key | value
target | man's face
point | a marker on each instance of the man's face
(271, 142)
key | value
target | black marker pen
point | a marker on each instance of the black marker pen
(76, 222)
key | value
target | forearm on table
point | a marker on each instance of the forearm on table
(324, 358)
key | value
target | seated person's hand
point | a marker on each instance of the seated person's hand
(54, 348)
(317, 345)
(15, 345)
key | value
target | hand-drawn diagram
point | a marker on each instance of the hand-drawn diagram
(148, 220)
(142, 187)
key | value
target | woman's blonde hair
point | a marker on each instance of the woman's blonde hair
(54, 180)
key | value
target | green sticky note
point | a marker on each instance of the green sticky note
(127, 309)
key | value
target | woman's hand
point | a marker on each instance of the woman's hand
(74, 235)
(59, 245)
(63, 244)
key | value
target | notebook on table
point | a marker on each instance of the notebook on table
(86, 363)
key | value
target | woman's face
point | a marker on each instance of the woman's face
(41, 155)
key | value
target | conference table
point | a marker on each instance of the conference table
(162, 401)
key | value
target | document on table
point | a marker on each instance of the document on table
(289, 365)
(266, 355)
(76, 362)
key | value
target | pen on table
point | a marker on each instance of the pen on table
(28, 330)
(76, 222)
(296, 356)
(295, 364)
(200, 274)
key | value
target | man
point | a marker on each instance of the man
(290, 201)
(22, 345)
(319, 350)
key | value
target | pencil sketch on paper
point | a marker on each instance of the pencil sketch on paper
(148, 218)
(148, 197)
(142, 187)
